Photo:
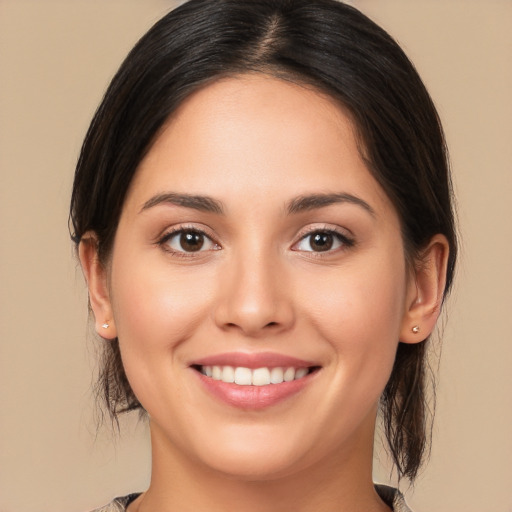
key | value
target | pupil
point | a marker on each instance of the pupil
(191, 241)
(321, 241)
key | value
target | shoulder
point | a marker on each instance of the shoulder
(392, 497)
(118, 504)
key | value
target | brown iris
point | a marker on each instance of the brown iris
(321, 241)
(191, 241)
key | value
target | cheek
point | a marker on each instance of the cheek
(359, 312)
(155, 310)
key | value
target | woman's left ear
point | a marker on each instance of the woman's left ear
(425, 291)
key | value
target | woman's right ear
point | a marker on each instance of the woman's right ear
(96, 277)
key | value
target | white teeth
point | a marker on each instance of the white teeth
(228, 374)
(243, 376)
(276, 375)
(261, 377)
(257, 377)
(289, 374)
(301, 372)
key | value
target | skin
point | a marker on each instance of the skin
(255, 144)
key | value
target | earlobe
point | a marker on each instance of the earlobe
(425, 291)
(95, 275)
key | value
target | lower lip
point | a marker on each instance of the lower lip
(253, 397)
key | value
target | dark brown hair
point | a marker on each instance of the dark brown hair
(323, 43)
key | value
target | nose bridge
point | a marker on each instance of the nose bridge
(255, 297)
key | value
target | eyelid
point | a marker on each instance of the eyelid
(169, 233)
(344, 235)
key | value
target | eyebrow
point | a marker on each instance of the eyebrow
(296, 205)
(196, 202)
(314, 201)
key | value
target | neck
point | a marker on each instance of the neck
(179, 483)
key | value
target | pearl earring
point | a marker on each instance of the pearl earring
(416, 329)
(105, 326)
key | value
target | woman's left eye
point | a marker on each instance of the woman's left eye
(188, 241)
(322, 241)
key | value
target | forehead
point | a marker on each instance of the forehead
(253, 134)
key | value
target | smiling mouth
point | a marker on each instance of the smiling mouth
(254, 377)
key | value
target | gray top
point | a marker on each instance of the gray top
(392, 497)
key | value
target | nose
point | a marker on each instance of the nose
(255, 298)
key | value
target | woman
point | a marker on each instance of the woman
(262, 209)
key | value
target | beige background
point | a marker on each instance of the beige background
(56, 58)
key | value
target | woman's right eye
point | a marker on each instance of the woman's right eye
(188, 241)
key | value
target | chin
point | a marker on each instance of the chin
(254, 454)
(261, 468)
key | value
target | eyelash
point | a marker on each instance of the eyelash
(344, 241)
(180, 230)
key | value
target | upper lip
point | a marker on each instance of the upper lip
(253, 360)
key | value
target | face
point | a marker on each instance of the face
(257, 282)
